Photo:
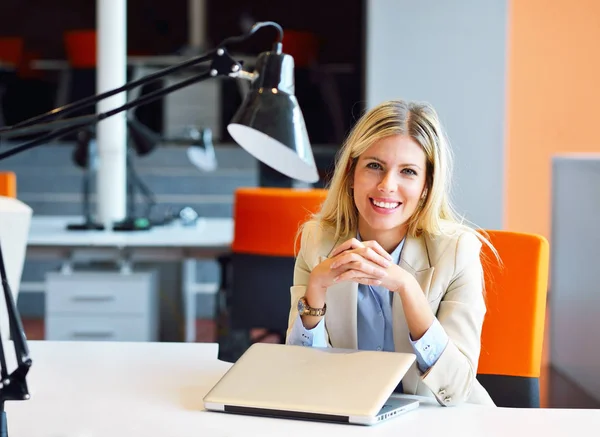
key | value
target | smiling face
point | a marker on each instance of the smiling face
(388, 182)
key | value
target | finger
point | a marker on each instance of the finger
(367, 269)
(377, 248)
(356, 275)
(367, 281)
(352, 243)
(365, 255)
(374, 256)
(362, 280)
(344, 258)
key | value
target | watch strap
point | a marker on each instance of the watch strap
(307, 310)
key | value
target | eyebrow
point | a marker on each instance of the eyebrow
(374, 158)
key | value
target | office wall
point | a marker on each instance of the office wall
(452, 54)
(554, 71)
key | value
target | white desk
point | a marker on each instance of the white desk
(156, 389)
(209, 238)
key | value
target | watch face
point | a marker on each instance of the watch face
(301, 306)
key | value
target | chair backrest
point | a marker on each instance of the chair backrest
(513, 330)
(263, 253)
(267, 219)
(11, 50)
(8, 184)
(80, 47)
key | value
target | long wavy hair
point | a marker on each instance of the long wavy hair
(435, 214)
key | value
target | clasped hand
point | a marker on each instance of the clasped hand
(363, 262)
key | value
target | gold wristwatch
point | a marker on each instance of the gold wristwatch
(304, 309)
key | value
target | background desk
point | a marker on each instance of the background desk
(156, 389)
(209, 238)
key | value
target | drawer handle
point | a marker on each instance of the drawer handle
(93, 298)
(93, 334)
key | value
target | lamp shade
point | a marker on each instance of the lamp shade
(269, 124)
(15, 218)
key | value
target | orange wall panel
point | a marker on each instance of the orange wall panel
(553, 95)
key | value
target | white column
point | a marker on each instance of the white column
(197, 24)
(111, 17)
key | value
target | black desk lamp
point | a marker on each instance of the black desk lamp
(143, 141)
(269, 125)
(14, 219)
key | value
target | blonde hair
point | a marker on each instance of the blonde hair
(435, 215)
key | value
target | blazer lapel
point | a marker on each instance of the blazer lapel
(415, 260)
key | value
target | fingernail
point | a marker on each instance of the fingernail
(333, 266)
(335, 279)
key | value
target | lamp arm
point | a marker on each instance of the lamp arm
(15, 131)
(87, 101)
(94, 119)
(223, 64)
(71, 107)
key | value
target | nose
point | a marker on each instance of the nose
(388, 183)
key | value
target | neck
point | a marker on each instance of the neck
(388, 239)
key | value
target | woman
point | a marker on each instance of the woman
(387, 265)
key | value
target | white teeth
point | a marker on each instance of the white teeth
(386, 205)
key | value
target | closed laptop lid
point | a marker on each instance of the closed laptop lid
(313, 380)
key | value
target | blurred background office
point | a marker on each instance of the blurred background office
(515, 83)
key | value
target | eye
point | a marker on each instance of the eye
(409, 171)
(374, 166)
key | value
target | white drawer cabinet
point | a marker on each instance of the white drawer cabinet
(102, 306)
(94, 328)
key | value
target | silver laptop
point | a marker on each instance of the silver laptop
(326, 384)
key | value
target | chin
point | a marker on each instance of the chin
(386, 224)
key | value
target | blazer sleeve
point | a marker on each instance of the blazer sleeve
(461, 313)
(302, 270)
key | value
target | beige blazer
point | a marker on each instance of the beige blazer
(449, 272)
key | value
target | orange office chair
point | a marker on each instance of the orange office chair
(11, 50)
(8, 184)
(513, 330)
(257, 292)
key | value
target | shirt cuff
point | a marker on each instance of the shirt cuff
(300, 336)
(430, 346)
